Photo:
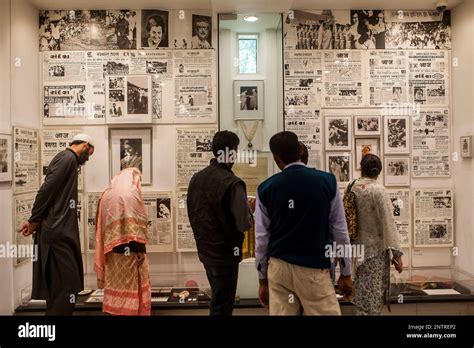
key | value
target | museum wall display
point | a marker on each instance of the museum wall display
(150, 85)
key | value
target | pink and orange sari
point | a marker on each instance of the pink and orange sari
(121, 219)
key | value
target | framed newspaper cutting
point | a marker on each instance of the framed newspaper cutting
(26, 155)
(92, 199)
(160, 221)
(466, 146)
(128, 99)
(5, 157)
(23, 246)
(397, 171)
(396, 135)
(131, 147)
(338, 131)
(401, 203)
(434, 216)
(184, 233)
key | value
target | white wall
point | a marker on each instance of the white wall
(6, 271)
(463, 124)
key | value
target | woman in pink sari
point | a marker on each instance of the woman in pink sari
(120, 256)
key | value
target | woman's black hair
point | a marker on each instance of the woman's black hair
(371, 166)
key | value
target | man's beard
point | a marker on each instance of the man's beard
(83, 157)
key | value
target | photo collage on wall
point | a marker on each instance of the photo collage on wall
(380, 84)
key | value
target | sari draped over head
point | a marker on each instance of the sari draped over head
(121, 219)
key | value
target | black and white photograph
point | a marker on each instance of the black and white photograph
(163, 208)
(156, 67)
(367, 125)
(364, 147)
(203, 145)
(338, 132)
(418, 29)
(131, 154)
(122, 29)
(202, 32)
(70, 30)
(248, 102)
(442, 202)
(339, 164)
(154, 29)
(117, 83)
(397, 171)
(325, 29)
(131, 147)
(5, 157)
(396, 135)
(56, 71)
(368, 28)
(137, 95)
(466, 146)
(438, 231)
(396, 204)
(116, 68)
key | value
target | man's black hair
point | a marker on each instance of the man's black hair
(371, 166)
(286, 146)
(224, 141)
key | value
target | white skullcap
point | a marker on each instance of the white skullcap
(83, 137)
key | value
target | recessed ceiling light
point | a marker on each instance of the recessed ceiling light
(251, 18)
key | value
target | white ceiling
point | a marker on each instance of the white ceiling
(241, 6)
(265, 21)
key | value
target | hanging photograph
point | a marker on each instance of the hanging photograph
(160, 221)
(73, 30)
(338, 133)
(339, 164)
(26, 164)
(131, 148)
(248, 102)
(364, 147)
(368, 29)
(367, 125)
(121, 28)
(396, 135)
(397, 171)
(155, 31)
(466, 146)
(129, 99)
(5, 157)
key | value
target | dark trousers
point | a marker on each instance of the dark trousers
(60, 301)
(223, 281)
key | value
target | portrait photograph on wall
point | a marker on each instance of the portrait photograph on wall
(155, 29)
(248, 102)
(131, 148)
(364, 147)
(202, 32)
(339, 164)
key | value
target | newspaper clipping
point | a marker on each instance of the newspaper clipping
(24, 245)
(343, 78)
(53, 141)
(194, 86)
(64, 66)
(428, 77)
(306, 124)
(431, 144)
(401, 200)
(92, 201)
(73, 102)
(388, 77)
(433, 217)
(160, 221)
(184, 233)
(100, 64)
(193, 152)
(26, 148)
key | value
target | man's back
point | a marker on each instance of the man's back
(298, 203)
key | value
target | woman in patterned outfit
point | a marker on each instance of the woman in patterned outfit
(378, 234)
(120, 257)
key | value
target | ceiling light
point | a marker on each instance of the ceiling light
(251, 18)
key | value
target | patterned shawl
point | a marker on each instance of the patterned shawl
(121, 216)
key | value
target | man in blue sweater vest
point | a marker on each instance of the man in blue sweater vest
(299, 212)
